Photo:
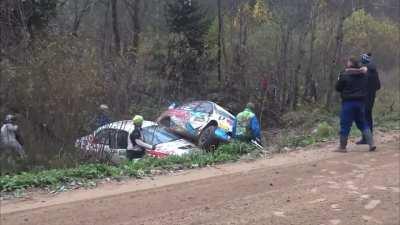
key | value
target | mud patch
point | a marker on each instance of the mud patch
(372, 204)
(352, 187)
(364, 196)
(317, 201)
(370, 219)
(279, 214)
(381, 188)
(336, 207)
(335, 222)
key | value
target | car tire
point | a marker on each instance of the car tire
(207, 139)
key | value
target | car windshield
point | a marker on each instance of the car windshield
(189, 106)
(155, 135)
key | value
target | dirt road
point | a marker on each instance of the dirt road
(306, 187)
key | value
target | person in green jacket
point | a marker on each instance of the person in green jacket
(247, 127)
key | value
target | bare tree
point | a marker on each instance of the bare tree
(220, 24)
(134, 8)
(310, 89)
(346, 11)
(114, 15)
(79, 13)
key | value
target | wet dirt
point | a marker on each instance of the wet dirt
(310, 186)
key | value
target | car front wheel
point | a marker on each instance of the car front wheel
(207, 139)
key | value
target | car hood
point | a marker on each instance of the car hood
(178, 147)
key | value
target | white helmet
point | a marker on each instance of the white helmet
(10, 118)
(104, 107)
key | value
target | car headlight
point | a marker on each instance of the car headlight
(224, 125)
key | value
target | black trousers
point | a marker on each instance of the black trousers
(130, 154)
(369, 107)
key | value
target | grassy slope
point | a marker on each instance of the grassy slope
(304, 127)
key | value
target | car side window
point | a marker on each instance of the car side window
(102, 137)
(122, 139)
(107, 137)
(204, 107)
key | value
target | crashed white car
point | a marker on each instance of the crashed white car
(113, 140)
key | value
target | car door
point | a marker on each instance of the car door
(106, 140)
(201, 115)
(122, 137)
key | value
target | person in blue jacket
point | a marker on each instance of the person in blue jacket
(246, 127)
(102, 118)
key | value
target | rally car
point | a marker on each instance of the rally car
(112, 140)
(198, 121)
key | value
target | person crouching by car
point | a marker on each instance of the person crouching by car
(138, 148)
(353, 90)
(246, 127)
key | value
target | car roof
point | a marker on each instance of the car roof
(126, 125)
(218, 107)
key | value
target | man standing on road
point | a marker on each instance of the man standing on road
(246, 127)
(373, 85)
(10, 137)
(353, 88)
(138, 148)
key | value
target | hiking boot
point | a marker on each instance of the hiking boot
(370, 140)
(342, 145)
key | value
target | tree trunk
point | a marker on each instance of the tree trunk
(336, 57)
(79, 13)
(309, 83)
(117, 38)
(220, 23)
(301, 53)
(283, 65)
(104, 43)
(136, 28)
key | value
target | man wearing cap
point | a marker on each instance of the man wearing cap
(138, 148)
(373, 85)
(247, 127)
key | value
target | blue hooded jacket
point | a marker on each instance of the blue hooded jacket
(254, 128)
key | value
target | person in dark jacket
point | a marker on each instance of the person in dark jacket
(103, 117)
(138, 148)
(373, 85)
(353, 88)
